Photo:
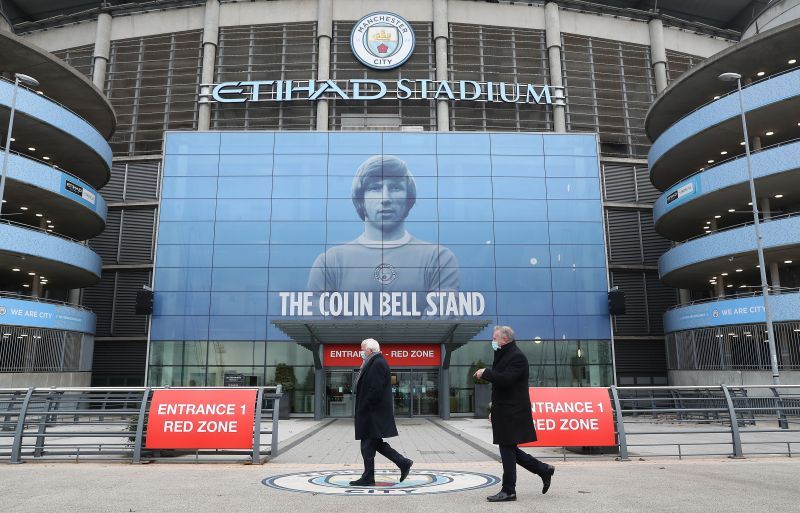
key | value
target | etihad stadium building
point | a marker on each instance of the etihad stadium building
(293, 176)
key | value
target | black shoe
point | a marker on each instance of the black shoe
(361, 481)
(547, 477)
(405, 469)
(502, 497)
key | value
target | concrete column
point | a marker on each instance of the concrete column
(719, 287)
(74, 296)
(552, 26)
(764, 208)
(319, 393)
(324, 36)
(658, 53)
(684, 296)
(441, 33)
(210, 40)
(102, 50)
(36, 287)
(772, 267)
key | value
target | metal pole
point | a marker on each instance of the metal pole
(8, 141)
(735, 438)
(256, 456)
(623, 439)
(773, 355)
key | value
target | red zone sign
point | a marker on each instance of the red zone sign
(397, 355)
(571, 417)
(201, 419)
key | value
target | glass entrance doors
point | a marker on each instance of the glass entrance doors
(339, 397)
(416, 392)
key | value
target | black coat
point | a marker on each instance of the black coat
(512, 422)
(374, 401)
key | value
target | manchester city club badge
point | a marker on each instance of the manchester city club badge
(382, 40)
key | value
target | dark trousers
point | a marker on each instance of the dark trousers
(513, 456)
(369, 446)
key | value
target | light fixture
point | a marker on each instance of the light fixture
(15, 269)
(739, 270)
(13, 140)
(779, 196)
(46, 158)
(742, 143)
(749, 203)
(723, 153)
(23, 208)
(787, 261)
(731, 210)
(770, 133)
(716, 97)
(724, 274)
(760, 74)
(31, 148)
(742, 286)
(758, 267)
(26, 285)
(580, 353)
(792, 61)
(40, 93)
(31, 274)
(708, 222)
(717, 217)
(711, 161)
(39, 215)
(730, 286)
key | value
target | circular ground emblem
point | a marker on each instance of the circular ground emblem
(418, 482)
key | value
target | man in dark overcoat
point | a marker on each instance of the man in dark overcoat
(512, 423)
(375, 413)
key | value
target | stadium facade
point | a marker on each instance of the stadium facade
(523, 129)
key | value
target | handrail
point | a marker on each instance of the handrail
(749, 223)
(738, 295)
(744, 86)
(731, 159)
(45, 163)
(51, 100)
(17, 295)
(36, 228)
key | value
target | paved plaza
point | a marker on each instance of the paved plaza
(582, 483)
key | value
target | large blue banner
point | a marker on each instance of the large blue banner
(261, 226)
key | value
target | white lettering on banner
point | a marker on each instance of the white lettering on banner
(566, 407)
(389, 304)
(197, 409)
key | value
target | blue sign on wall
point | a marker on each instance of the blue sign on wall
(16, 312)
(263, 226)
(747, 310)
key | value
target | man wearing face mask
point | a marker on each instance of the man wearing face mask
(512, 423)
(375, 413)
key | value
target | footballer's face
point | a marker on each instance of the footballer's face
(386, 199)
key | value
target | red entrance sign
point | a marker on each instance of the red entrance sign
(397, 355)
(201, 419)
(571, 417)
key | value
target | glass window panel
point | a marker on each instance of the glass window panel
(576, 233)
(194, 187)
(194, 143)
(529, 167)
(522, 255)
(583, 255)
(301, 143)
(241, 255)
(579, 279)
(260, 143)
(466, 233)
(478, 187)
(299, 165)
(518, 188)
(465, 210)
(193, 279)
(474, 255)
(181, 303)
(240, 279)
(458, 144)
(239, 327)
(575, 210)
(299, 187)
(198, 232)
(242, 232)
(519, 210)
(394, 144)
(298, 232)
(517, 144)
(245, 165)
(573, 188)
(183, 256)
(187, 210)
(577, 145)
(580, 303)
(341, 232)
(244, 187)
(170, 327)
(295, 255)
(243, 210)
(521, 233)
(463, 165)
(195, 352)
(558, 166)
(238, 303)
(522, 279)
(355, 143)
(298, 210)
(167, 352)
(529, 326)
(288, 278)
(190, 165)
(165, 376)
(288, 353)
(525, 303)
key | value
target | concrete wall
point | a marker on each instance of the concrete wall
(731, 377)
(44, 379)
(782, 11)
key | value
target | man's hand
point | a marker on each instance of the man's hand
(478, 373)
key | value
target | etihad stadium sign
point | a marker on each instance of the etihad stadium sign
(366, 89)
(381, 41)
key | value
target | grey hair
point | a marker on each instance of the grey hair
(372, 345)
(506, 331)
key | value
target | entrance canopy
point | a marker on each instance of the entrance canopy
(312, 334)
(384, 331)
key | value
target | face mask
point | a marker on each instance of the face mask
(363, 355)
(495, 345)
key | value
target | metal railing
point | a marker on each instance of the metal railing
(23, 297)
(109, 424)
(733, 421)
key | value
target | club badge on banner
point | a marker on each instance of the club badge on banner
(571, 417)
(201, 419)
